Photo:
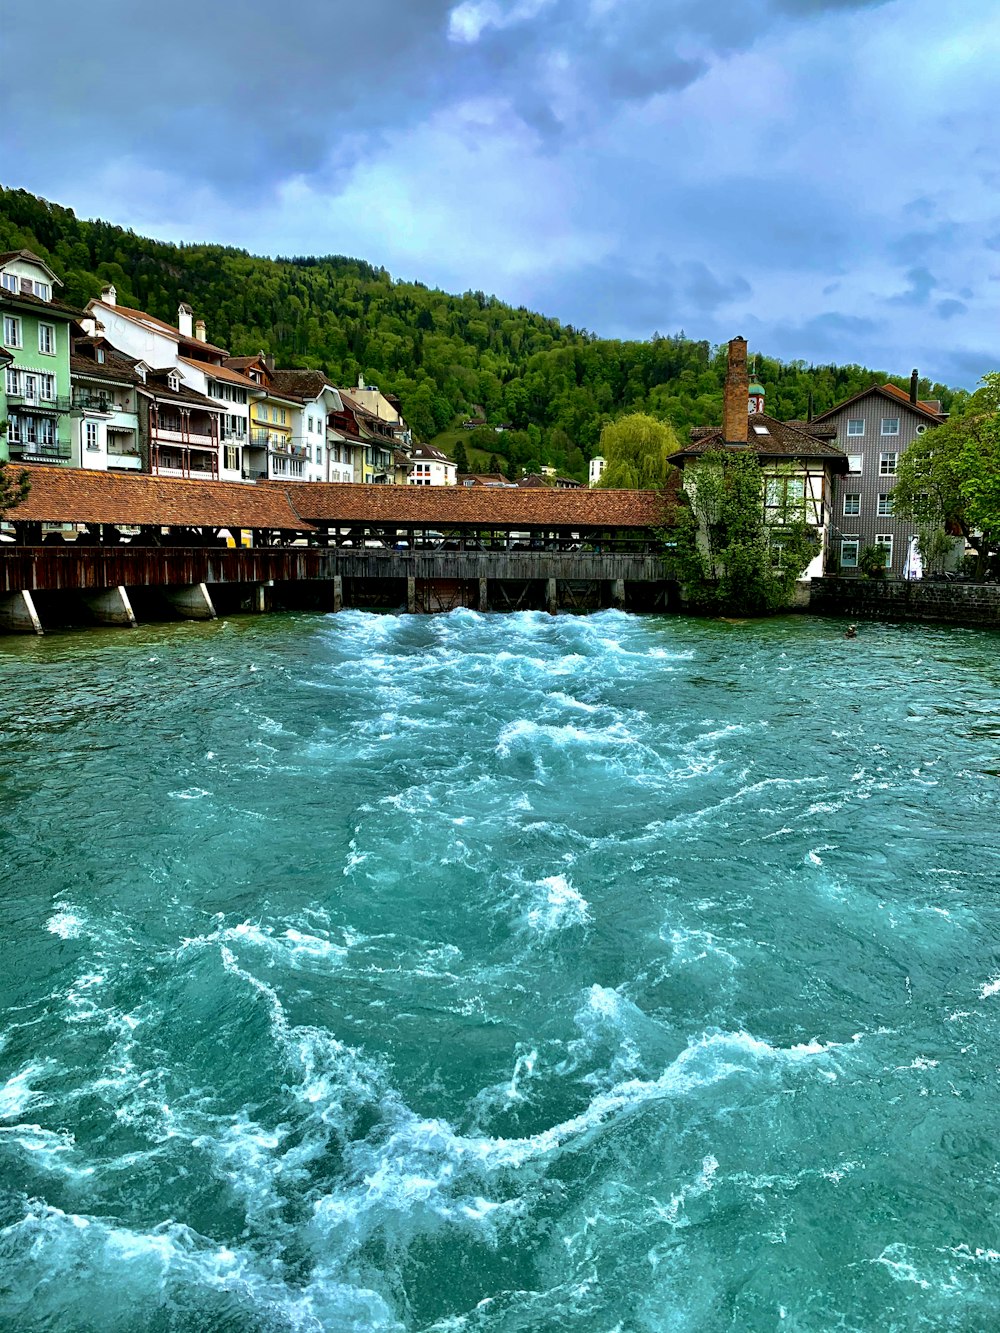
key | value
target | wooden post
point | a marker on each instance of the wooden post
(411, 595)
(484, 604)
(551, 596)
(338, 592)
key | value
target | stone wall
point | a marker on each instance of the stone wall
(954, 602)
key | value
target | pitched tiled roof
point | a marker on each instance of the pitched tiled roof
(427, 453)
(159, 325)
(185, 396)
(31, 258)
(73, 495)
(898, 397)
(37, 304)
(480, 505)
(769, 438)
(303, 384)
(220, 373)
(116, 371)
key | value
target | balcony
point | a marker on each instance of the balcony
(32, 403)
(186, 439)
(29, 452)
(94, 402)
(266, 439)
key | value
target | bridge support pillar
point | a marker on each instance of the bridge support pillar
(18, 614)
(110, 606)
(618, 594)
(484, 601)
(411, 595)
(551, 597)
(193, 602)
(338, 592)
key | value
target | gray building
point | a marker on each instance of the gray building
(874, 429)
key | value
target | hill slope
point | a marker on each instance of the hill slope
(442, 354)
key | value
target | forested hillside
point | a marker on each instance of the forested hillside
(444, 355)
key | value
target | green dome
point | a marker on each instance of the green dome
(755, 387)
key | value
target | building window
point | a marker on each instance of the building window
(10, 282)
(295, 467)
(890, 425)
(90, 427)
(46, 432)
(47, 339)
(43, 290)
(856, 426)
(852, 503)
(884, 539)
(12, 331)
(319, 453)
(173, 383)
(48, 387)
(854, 464)
(887, 464)
(232, 458)
(885, 504)
(13, 378)
(849, 549)
(274, 416)
(284, 421)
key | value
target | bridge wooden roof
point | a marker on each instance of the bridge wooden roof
(75, 495)
(481, 506)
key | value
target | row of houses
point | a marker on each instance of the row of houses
(111, 388)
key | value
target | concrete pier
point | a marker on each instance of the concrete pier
(18, 614)
(551, 597)
(618, 594)
(484, 601)
(193, 602)
(411, 595)
(338, 592)
(110, 606)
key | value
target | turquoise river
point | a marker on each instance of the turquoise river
(482, 974)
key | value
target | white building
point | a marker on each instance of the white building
(597, 466)
(105, 420)
(430, 467)
(316, 442)
(234, 393)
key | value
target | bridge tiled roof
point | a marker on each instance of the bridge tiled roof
(480, 505)
(75, 495)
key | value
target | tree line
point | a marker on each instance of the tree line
(554, 385)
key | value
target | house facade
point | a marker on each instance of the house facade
(430, 467)
(324, 457)
(35, 334)
(874, 429)
(799, 463)
(105, 408)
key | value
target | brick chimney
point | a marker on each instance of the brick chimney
(200, 331)
(914, 385)
(736, 394)
(185, 316)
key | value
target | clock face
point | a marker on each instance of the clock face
(756, 404)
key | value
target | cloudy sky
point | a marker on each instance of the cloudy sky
(821, 176)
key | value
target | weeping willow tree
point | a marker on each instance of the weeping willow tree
(636, 449)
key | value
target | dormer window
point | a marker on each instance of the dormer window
(173, 383)
(100, 356)
(10, 282)
(43, 290)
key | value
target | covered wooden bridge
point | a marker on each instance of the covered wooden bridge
(104, 546)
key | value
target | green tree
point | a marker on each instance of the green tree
(14, 486)
(461, 457)
(949, 477)
(495, 465)
(636, 448)
(723, 549)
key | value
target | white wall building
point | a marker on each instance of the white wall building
(597, 466)
(430, 467)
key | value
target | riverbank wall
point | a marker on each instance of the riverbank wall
(946, 601)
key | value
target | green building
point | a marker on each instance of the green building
(36, 334)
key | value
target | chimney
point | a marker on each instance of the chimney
(185, 317)
(811, 408)
(200, 331)
(736, 399)
(109, 295)
(269, 362)
(914, 381)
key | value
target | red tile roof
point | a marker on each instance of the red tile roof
(221, 373)
(141, 317)
(928, 411)
(73, 495)
(480, 505)
(768, 438)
